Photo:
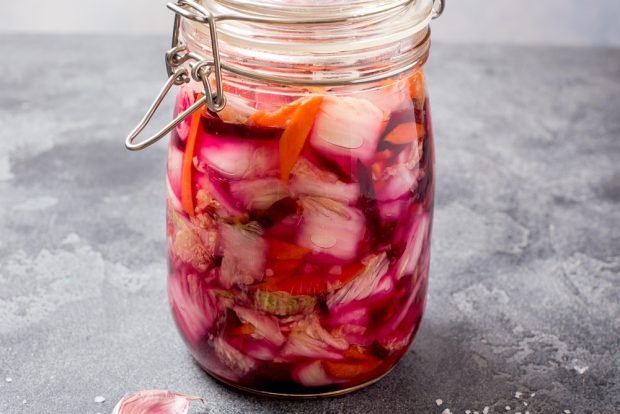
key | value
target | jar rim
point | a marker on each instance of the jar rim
(323, 51)
(333, 26)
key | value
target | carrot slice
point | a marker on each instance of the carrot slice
(311, 284)
(416, 88)
(280, 250)
(281, 267)
(187, 197)
(295, 135)
(277, 119)
(406, 133)
(351, 369)
(245, 329)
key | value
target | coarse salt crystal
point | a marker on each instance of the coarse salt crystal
(9, 379)
(567, 412)
(485, 410)
(533, 394)
(467, 411)
(439, 402)
(99, 399)
(525, 403)
(446, 411)
(507, 408)
(518, 394)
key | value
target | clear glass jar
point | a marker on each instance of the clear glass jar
(299, 215)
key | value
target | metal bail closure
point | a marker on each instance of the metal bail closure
(199, 70)
(438, 8)
(209, 70)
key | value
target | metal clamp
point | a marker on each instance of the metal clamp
(438, 8)
(203, 70)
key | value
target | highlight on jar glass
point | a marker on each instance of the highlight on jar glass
(300, 181)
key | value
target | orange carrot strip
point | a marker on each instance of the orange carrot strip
(416, 88)
(295, 135)
(281, 250)
(406, 133)
(277, 119)
(351, 369)
(245, 329)
(187, 197)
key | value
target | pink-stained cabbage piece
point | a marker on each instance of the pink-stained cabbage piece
(174, 170)
(309, 339)
(373, 280)
(193, 305)
(238, 363)
(155, 402)
(415, 242)
(394, 97)
(258, 194)
(175, 201)
(401, 178)
(236, 158)
(191, 245)
(331, 227)
(266, 326)
(309, 180)
(347, 129)
(243, 251)
(185, 99)
(311, 374)
(352, 320)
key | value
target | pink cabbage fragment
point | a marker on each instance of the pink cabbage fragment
(331, 227)
(243, 251)
(374, 279)
(174, 170)
(309, 180)
(347, 128)
(401, 178)
(309, 339)
(185, 99)
(311, 374)
(193, 305)
(258, 194)
(239, 363)
(266, 326)
(236, 158)
(415, 242)
(154, 402)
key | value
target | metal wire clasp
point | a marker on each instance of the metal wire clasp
(199, 69)
(184, 65)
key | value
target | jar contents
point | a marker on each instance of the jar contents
(299, 234)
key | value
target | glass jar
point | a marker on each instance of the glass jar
(300, 189)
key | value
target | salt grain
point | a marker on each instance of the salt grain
(518, 394)
(438, 402)
(24, 402)
(485, 410)
(525, 403)
(507, 408)
(446, 411)
(533, 394)
(567, 412)
(99, 399)
(9, 379)
(467, 411)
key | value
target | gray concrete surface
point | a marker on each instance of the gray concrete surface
(525, 277)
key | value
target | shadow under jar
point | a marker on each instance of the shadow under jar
(300, 208)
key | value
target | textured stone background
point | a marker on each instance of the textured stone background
(525, 277)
